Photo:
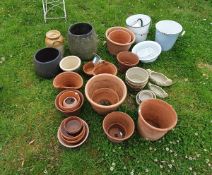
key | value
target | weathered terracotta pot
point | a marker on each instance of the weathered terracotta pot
(68, 80)
(116, 47)
(88, 68)
(127, 60)
(105, 67)
(120, 36)
(118, 126)
(108, 81)
(71, 111)
(156, 118)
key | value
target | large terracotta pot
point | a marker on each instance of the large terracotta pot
(118, 126)
(111, 92)
(82, 40)
(156, 118)
(115, 45)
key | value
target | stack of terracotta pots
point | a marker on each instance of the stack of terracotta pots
(73, 132)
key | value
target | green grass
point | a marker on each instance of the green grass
(27, 102)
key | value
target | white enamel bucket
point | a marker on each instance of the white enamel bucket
(139, 24)
(167, 32)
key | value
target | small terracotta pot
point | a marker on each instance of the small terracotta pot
(75, 111)
(118, 126)
(156, 118)
(72, 95)
(115, 47)
(68, 80)
(120, 36)
(127, 60)
(105, 67)
(88, 68)
(108, 81)
(73, 125)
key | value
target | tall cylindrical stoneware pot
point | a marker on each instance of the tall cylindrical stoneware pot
(82, 40)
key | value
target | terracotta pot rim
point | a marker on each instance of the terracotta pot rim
(125, 115)
(118, 58)
(107, 62)
(110, 106)
(123, 32)
(140, 117)
(64, 111)
(70, 73)
(135, 82)
(120, 28)
(73, 68)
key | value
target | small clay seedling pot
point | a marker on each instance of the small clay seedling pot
(88, 68)
(156, 118)
(120, 36)
(127, 60)
(118, 126)
(105, 67)
(105, 81)
(68, 80)
(69, 112)
(73, 125)
(115, 47)
(70, 63)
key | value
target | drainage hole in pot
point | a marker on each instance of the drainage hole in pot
(70, 100)
(105, 102)
(153, 123)
(116, 131)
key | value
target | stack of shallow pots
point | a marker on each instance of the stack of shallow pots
(119, 39)
(73, 132)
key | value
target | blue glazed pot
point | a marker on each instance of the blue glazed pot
(46, 62)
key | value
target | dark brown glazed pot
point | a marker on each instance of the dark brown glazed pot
(68, 80)
(156, 118)
(127, 60)
(107, 81)
(118, 126)
(105, 67)
(75, 111)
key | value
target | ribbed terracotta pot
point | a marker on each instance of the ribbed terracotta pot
(115, 47)
(127, 60)
(68, 80)
(105, 67)
(108, 84)
(118, 126)
(69, 111)
(156, 118)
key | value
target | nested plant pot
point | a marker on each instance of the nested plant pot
(118, 126)
(105, 67)
(68, 80)
(127, 60)
(111, 92)
(115, 45)
(82, 40)
(46, 62)
(156, 118)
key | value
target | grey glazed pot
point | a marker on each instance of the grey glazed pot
(82, 40)
(47, 61)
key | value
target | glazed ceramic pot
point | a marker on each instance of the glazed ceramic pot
(116, 47)
(82, 40)
(136, 78)
(68, 80)
(118, 126)
(105, 67)
(111, 92)
(70, 63)
(46, 62)
(156, 118)
(127, 60)
(69, 111)
(55, 39)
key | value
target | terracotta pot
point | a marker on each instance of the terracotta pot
(118, 126)
(127, 60)
(120, 36)
(73, 97)
(55, 39)
(105, 67)
(156, 118)
(75, 111)
(73, 125)
(112, 82)
(82, 40)
(88, 68)
(68, 80)
(115, 47)
(70, 63)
